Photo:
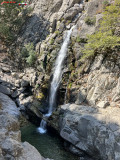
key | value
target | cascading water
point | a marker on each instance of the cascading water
(58, 71)
(42, 128)
(57, 75)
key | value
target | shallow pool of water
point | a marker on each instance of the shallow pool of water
(49, 145)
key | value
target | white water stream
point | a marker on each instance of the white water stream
(57, 76)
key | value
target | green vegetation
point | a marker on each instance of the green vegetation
(28, 54)
(105, 39)
(12, 17)
(51, 41)
(68, 22)
(105, 4)
(69, 85)
(36, 86)
(57, 32)
(80, 40)
(40, 95)
(62, 19)
(90, 20)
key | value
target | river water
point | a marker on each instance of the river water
(50, 145)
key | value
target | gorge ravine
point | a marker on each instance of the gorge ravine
(89, 121)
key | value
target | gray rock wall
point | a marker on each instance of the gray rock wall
(42, 19)
(95, 131)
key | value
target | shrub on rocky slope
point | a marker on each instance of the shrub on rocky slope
(105, 39)
(12, 17)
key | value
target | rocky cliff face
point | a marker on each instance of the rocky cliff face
(92, 81)
(44, 18)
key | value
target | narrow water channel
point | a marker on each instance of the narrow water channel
(49, 145)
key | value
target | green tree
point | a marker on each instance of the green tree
(105, 38)
(28, 54)
(10, 20)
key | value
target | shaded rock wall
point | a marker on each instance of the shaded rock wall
(21, 87)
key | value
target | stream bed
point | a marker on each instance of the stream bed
(50, 145)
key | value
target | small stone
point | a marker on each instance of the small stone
(24, 83)
(68, 26)
(103, 104)
(81, 98)
(15, 94)
(65, 107)
(17, 83)
(6, 69)
(21, 75)
(15, 75)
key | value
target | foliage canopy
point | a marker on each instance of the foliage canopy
(28, 54)
(11, 20)
(105, 38)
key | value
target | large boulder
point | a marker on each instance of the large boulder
(11, 146)
(8, 106)
(95, 131)
(30, 151)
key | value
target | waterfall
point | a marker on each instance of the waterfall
(57, 76)
(42, 128)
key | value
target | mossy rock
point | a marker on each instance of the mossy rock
(57, 32)
(36, 103)
(51, 41)
(71, 67)
(46, 85)
(90, 20)
(76, 64)
(23, 121)
(40, 95)
(69, 85)
(68, 22)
